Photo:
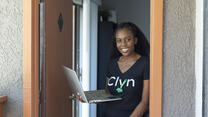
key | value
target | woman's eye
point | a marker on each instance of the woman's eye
(118, 41)
(127, 40)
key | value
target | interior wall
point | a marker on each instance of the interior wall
(136, 11)
(179, 58)
(11, 56)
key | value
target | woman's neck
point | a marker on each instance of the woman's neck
(134, 56)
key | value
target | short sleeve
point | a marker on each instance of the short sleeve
(146, 72)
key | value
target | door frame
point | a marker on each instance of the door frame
(31, 58)
(156, 36)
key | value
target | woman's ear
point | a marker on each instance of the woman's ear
(135, 40)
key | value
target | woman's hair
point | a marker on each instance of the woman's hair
(142, 47)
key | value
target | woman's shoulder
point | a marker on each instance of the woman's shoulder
(145, 60)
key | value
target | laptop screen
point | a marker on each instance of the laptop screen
(73, 82)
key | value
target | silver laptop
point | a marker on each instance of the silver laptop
(94, 96)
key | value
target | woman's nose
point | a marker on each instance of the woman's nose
(123, 43)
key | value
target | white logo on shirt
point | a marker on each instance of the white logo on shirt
(114, 81)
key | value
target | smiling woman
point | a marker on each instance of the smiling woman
(31, 57)
(129, 62)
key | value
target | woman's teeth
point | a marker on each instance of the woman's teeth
(124, 50)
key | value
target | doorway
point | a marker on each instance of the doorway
(30, 57)
(137, 12)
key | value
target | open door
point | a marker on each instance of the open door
(58, 51)
(58, 43)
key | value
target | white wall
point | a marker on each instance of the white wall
(136, 11)
(11, 55)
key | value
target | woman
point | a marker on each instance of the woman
(128, 73)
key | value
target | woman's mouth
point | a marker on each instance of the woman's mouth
(124, 50)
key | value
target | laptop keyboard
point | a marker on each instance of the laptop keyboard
(97, 94)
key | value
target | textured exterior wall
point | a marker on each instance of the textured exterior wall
(11, 55)
(179, 58)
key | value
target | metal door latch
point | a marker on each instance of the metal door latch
(72, 97)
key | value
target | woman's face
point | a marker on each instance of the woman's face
(125, 42)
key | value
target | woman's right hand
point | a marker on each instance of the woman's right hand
(79, 97)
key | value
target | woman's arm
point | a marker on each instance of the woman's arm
(78, 96)
(143, 105)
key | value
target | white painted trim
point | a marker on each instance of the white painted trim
(94, 45)
(86, 55)
(93, 52)
(199, 39)
(89, 54)
(81, 56)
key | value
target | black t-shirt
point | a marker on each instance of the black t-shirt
(129, 85)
